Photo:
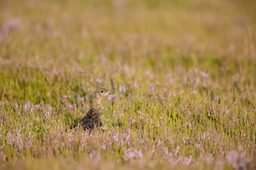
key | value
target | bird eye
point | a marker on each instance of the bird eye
(102, 91)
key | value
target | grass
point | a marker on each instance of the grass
(182, 73)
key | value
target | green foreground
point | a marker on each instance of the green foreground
(183, 75)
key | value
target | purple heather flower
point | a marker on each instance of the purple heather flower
(129, 154)
(10, 138)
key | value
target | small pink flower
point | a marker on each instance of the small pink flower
(10, 138)
(28, 144)
(129, 154)
(27, 106)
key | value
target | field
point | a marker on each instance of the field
(182, 73)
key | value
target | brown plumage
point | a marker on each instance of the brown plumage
(92, 118)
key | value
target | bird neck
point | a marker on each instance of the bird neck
(96, 104)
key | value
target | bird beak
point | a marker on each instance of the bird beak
(111, 96)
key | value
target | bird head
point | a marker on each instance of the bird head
(100, 94)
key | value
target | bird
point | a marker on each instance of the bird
(92, 118)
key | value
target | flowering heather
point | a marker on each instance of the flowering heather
(182, 74)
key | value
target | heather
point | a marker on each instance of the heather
(182, 74)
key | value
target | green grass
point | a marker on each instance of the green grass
(183, 75)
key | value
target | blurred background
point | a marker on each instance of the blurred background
(72, 34)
